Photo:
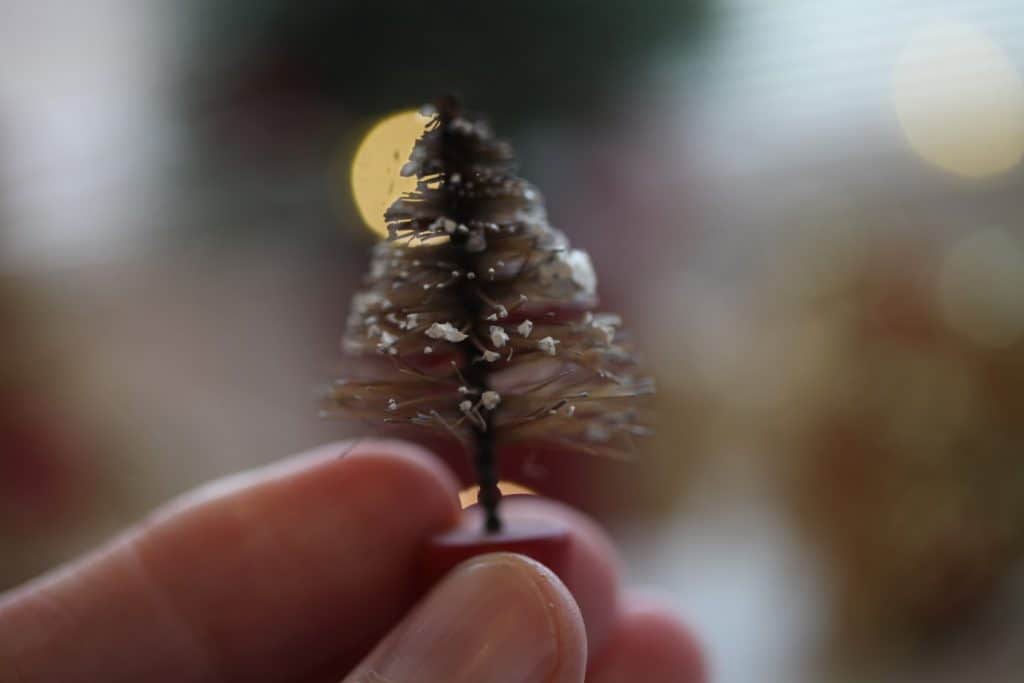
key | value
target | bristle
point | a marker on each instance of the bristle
(477, 314)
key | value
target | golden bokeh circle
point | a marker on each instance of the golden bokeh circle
(375, 178)
(960, 100)
(467, 497)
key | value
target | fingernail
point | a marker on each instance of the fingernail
(499, 618)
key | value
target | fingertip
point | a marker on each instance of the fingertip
(592, 570)
(554, 600)
(327, 491)
(401, 471)
(649, 643)
(327, 463)
(494, 618)
(405, 452)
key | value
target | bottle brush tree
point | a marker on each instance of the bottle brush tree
(478, 317)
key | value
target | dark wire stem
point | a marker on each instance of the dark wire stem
(484, 461)
(487, 479)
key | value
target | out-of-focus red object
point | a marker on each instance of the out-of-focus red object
(40, 482)
(45, 477)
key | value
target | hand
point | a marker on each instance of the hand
(305, 571)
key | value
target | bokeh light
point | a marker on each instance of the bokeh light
(981, 288)
(960, 100)
(468, 496)
(376, 182)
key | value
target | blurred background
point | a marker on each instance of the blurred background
(808, 213)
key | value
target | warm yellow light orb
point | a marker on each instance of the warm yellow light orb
(468, 496)
(960, 100)
(376, 182)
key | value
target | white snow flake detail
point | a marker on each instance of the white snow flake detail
(445, 331)
(547, 345)
(499, 337)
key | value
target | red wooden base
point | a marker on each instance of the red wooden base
(545, 541)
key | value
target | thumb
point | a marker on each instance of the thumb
(495, 619)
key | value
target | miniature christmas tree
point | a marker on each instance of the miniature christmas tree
(478, 318)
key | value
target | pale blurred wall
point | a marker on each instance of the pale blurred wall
(87, 113)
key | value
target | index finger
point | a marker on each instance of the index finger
(271, 575)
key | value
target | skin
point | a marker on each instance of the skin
(280, 574)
